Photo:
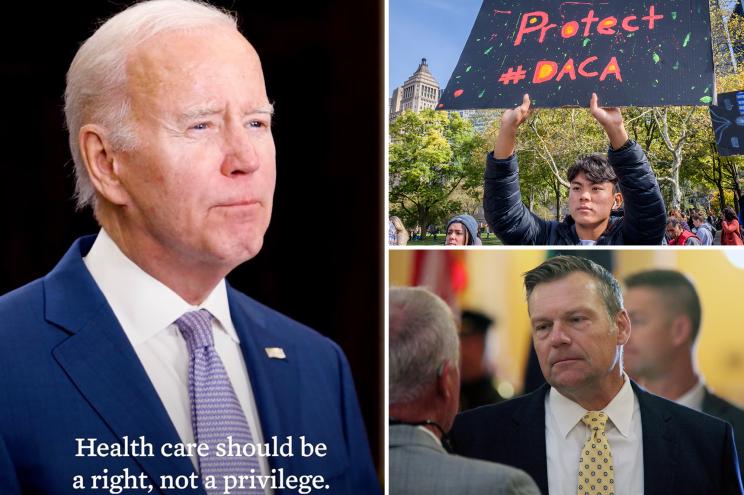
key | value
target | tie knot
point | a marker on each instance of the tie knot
(196, 328)
(595, 420)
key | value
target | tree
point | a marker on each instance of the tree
(431, 153)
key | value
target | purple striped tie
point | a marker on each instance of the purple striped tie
(215, 410)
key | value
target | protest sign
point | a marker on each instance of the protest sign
(629, 53)
(728, 123)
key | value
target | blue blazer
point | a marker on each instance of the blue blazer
(684, 452)
(68, 371)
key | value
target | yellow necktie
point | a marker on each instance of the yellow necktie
(596, 475)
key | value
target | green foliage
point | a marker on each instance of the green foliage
(431, 154)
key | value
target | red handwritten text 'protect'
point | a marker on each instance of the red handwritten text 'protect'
(538, 22)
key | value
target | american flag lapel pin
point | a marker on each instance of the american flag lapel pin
(275, 353)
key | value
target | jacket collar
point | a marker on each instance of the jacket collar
(100, 361)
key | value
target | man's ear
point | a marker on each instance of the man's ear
(618, 197)
(101, 163)
(622, 323)
(446, 379)
(681, 330)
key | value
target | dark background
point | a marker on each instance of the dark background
(321, 263)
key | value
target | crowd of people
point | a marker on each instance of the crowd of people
(693, 228)
(613, 199)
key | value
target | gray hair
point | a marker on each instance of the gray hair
(96, 81)
(561, 266)
(423, 336)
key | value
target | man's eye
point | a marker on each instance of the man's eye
(201, 126)
(257, 124)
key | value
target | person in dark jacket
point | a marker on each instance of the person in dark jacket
(598, 187)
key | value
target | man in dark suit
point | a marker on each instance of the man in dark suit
(132, 364)
(424, 397)
(666, 313)
(590, 430)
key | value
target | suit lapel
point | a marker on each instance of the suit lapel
(273, 378)
(100, 361)
(528, 443)
(659, 453)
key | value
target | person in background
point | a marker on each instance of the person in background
(424, 398)
(665, 313)
(703, 229)
(730, 233)
(401, 234)
(462, 230)
(677, 235)
(476, 381)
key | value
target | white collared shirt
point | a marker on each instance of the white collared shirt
(693, 398)
(565, 435)
(147, 310)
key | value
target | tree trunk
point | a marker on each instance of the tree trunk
(423, 218)
(676, 191)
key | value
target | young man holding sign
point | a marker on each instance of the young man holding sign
(598, 186)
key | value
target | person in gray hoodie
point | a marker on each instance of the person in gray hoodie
(462, 230)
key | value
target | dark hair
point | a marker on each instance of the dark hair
(675, 222)
(595, 167)
(561, 266)
(675, 213)
(699, 216)
(677, 290)
(729, 213)
(477, 322)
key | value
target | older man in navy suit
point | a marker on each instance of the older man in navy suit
(590, 430)
(133, 364)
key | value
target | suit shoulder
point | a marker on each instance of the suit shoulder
(478, 425)
(488, 413)
(22, 306)
(721, 408)
(25, 294)
(490, 474)
(691, 421)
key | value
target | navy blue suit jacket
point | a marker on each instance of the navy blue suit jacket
(684, 452)
(68, 371)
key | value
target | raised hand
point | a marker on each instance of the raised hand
(510, 121)
(611, 121)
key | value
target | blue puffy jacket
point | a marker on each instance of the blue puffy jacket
(643, 221)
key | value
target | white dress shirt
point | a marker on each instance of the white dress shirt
(565, 435)
(693, 398)
(147, 310)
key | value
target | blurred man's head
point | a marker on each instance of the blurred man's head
(578, 327)
(170, 132)
(473, 333)
(423, 350)
(665, 311)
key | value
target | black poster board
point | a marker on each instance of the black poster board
(634, 52)
(728, 123)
